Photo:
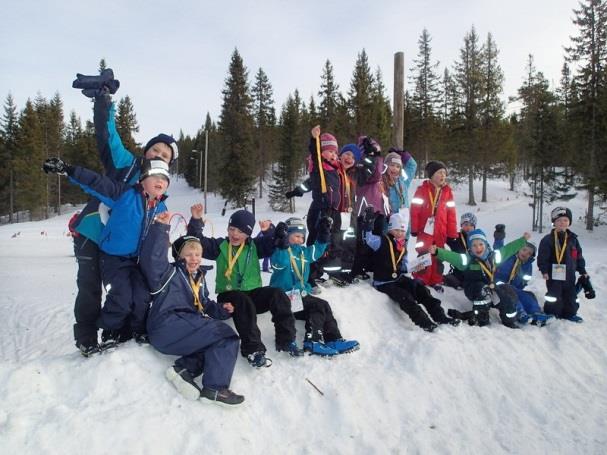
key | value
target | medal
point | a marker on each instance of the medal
(349, 209)
(492, 286)
(304, 293)
(394, 275)
(229, 287)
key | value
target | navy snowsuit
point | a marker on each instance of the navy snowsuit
(527, 302)
(175, 326)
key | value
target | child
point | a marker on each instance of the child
(265, 265)
(291, 263)
(389, 268)
(455, 278)
(238, 281)
(479, 267)
(433, 219)
(183, 320)
(120, 165)
(559, 257)
(396, 182)
(133, 208)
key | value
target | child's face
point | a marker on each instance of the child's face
(524, 254)
(347, 160)
(398, 234)
(439, 178)
(155, 185)
(394, 170)
(329, 155)
(467, 227)
(478, 247)
(160, 150)
(296, 238)
(236, 236)
(561, 223)
(192, 253)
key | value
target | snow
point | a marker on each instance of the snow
(460, 390)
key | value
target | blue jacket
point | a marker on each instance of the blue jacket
(399, 192)
(284, 277)
(119, 164)
(130, 216)
(521, 276)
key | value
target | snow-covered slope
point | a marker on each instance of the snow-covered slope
(459, 390)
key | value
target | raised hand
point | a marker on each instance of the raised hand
(197, 210)
(164, 218)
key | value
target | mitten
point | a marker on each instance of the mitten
(324, 229)
(281, 236)
(56, 166)
(500, 232)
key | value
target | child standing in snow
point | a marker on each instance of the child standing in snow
(291, 263)
(265, 265)
(559, 258)
(183, 320)
(133, 208)
(389, 269)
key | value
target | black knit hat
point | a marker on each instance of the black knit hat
(163, 139)
(243, 220)
(559, 212)
(434, 166)
(181, 242)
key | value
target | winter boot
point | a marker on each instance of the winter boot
(88, 347)
(291, 348)
(430, 327)
(523, 317)
(575, 318)
(541, 319)
(480, 314)
(183, 382)
(343, 346)
(451, 321)
(141, 338)
(222, 397)
(319, 348)
(259, 360)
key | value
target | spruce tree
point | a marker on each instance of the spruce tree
(382, 112)
(329, 99)
(126, 124)
(8, 132)
(237, 125)
(265, 122)
(360, 97)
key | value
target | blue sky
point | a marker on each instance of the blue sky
(172, 57)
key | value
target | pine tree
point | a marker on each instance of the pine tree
(102, 65)
(382, 112)
(265, 122)
(329, 99)
(237, 125)
(360, 98)
(126, 124)
(8, 132)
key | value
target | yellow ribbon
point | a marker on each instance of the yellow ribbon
(487, 271)
(514, 270)
(298, 274)
(393, 256)
(232, 258)
(196, 291)
(434, 200)
(560, 251)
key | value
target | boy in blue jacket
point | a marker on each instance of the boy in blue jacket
(133, 208)
(291, 264)
(183, 320)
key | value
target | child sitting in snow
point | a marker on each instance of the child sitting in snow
(133, 208)
(389, 269)
(183, 320)
(559, 258)
(467, 223)
(479, 266)
(291, 263)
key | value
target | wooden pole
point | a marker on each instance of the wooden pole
(398, 114)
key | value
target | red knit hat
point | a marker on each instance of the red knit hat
(328, 143)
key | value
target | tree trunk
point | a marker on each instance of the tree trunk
(541, 214)
(484, 192)
(590, 210)
(534, 207)
(471, 200)
(512, 177)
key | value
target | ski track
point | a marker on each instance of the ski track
(464, 390)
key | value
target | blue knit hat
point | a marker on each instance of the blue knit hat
(243, 220)
(478, 234)
(163, 139)
(352, 148)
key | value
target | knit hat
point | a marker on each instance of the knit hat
(469, 218)
(434, 166)
(154, 166)
(164, 139)
(559, 212)
(181, 242)
(352, 148)
(296, 225)
(243, 220)
(393, 158)
(479, 234)
(399, 220)
(328, 143)
(532, 247)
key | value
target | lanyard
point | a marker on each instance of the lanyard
(434, 200)
(298, 274)
(393, 256)
(461, 237)
(514, 270)
(488, 271)
(558, 249)
(232, 258)
(346, 184)
(196, 291)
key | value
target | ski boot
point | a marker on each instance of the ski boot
(343, 346)
(259, 360)
(291, 348)
(319, 348)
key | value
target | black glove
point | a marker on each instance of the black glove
(324, 229)
(369, 216)
(98, 85)
(281, 236)
(500, 232)
(369, 148)
(295, 192)
(57, 166)
(583, 282)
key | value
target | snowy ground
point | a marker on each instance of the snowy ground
(459, 390)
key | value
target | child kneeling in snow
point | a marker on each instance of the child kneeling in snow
(291, 264)
(183, 320)
(479, 266)
(389, 268)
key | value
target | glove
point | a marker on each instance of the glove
(324, 229)
(98, 85)
(500, 232)
(57, 166)
(583, 282)
(369, 216)
(369, 148)
(295, 192)
(281, 236)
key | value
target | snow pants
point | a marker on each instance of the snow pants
(248, 304)
(477, 292)
(566, 304)
(527, 302)
(410, 294)
(127, 295)
(88, 300)
(332, 255)
(319, 321)
(205, 345)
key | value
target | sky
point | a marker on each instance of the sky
(172, 57)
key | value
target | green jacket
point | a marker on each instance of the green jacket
(466, 262)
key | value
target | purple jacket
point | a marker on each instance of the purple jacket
(369, 190)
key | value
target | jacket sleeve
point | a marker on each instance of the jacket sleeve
(210, 245)
(416, 208)
(103, 188)
(280, 259)
(458, 260)
(510, 249)
(112, 152)
(316, 251)
(543, 255)
(581, 262)
(410, 168)
(451, 216)
(153, 258)
(265, 243)
(211, 307)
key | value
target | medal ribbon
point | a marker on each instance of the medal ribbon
(559, 251)
(393, 256)
(298, 274)
(514, 270)
(461, 237)
(196, 291)
(232, 258)
(488, 271)
(434, 200)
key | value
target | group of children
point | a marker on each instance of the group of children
(123, 241)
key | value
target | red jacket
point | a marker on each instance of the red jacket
(445, 217)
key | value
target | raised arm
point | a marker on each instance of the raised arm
(153, 258)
